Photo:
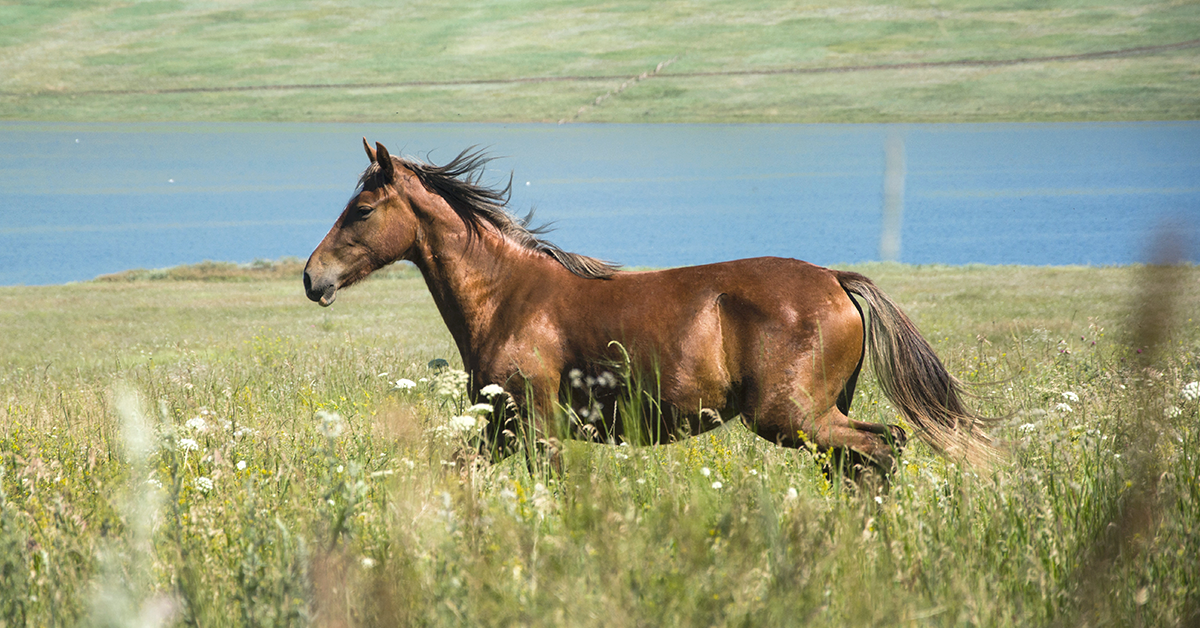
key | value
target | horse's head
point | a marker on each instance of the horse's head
(377, 228)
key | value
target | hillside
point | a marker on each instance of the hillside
(541, 60)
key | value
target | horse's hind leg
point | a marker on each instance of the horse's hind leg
(849, 463)
(853, 447)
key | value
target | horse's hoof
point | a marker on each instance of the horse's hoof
(899, 438)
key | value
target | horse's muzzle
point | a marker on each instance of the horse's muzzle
(321, 290)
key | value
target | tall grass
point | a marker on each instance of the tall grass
(264, 468)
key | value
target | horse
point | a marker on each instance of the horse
(779, 343)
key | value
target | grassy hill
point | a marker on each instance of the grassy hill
(547, 60)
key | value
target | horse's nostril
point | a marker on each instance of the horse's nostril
(312, 293)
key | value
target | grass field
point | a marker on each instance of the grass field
(206, 447)
(545, 60)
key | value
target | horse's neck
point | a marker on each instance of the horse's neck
(470, 278)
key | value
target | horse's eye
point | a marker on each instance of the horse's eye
(362, 211)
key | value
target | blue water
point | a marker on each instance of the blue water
(80, 200)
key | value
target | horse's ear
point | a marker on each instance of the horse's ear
(370, 151)
(385, 162)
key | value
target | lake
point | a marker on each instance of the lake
(80, 200)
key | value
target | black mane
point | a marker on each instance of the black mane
(458, 182)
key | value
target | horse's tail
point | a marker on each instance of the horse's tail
(914, 379)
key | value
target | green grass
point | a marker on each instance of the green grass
(111, 61)
(115, 503)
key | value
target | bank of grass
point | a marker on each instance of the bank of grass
(467, 61)
(226, 453)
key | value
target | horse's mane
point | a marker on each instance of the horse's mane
(458, 182)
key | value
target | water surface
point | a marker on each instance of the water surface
(80, 200)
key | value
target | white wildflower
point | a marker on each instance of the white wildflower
(204, 484)
(491, 390)
(1172, 411)
(330, 424)
(542, 500)
(1027, 428)
(508, 497)
(196, 424)
(154, 482)
(480, 408)
(241, 465)
(717, 484)
(368, 562)
(1062, 407)
(705, 471)
(456, 428)
(1191, 391)
(451, 384)
(1070, 396)
(189, 444)
(878, 499)
(405, 384)
(792, 493)
(462, 423)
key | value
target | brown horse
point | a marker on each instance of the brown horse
(778, 342)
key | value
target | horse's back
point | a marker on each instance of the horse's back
(784, 290)
(763, 294)
(717, 329)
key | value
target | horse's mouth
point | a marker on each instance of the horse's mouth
(327, 297)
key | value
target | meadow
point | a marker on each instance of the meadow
(203, 446)
(553, 61)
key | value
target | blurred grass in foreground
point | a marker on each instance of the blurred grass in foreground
(225, 452)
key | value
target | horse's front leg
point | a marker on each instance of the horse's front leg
(544, 427)
(527, 419)
(500, 437)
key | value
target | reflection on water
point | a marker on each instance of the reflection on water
(79, 200)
